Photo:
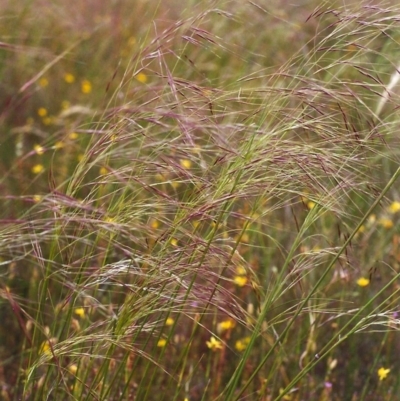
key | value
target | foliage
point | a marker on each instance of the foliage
(199, 201)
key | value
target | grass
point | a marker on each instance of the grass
(199, 202)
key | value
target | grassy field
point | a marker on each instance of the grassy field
(199, 200)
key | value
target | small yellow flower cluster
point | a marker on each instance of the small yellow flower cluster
(363, 282)
(226, 325)
(141, 77)
(37, 169)
(214, 344)
(162, 342)
(240, 278)
(80, 312)
(242, 344)
(43, 82)
(69, 78)
(186, 164)
(394, 207)
(382, 373)
(86, 86)
(39, 149)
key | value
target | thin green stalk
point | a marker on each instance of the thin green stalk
(307, 298)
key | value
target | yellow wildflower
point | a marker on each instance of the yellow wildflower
(242, 344)
(226, 325)
(73, 135)
(386, 223)
(240, 270)
(141, 77)
(48, 120)
(73, 368)
(42, 112)
(37, 168)
(86, 86)
(131, 41)
(186, 163)
(174, 242)
(80, 312)
(103, 170)
(240, 281)
(310, 204)
(382, 373)
(394, 207)
(162, 342)
(169, 321)
(69, 78)
(214, 344)
(59, 145)
(43, 82)
(38, 149)
(245, 238)
(45, 348)
(154, 224)
(65, 104)
(363, 282)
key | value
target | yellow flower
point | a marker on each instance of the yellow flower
(141, 77)
(131, 41)
(226, 325)
(43, 82)
(240, 281)
(86, 86)
(73, 135)
(214, 344)
(59, 145)
(38, 149)
(286, 396)
(42, 112)
(103, 170)
(37, 168)
(48, 120)
(240, 270)
(363, 282)
(73, 368)
(154, 224)
(310, 204)
(174, 242)
(37, 198)
(169, 321)
(242, 344)
(186, 164)
(162, 342)
(245, 238)
(361, 229)
(80, 312)
(65, 104)
(386, 223)
(394, 207)
(382, 373)
(45, 348)
(69, 78)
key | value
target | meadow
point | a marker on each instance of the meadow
(199, 200)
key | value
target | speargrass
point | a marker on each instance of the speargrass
(199, 203)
